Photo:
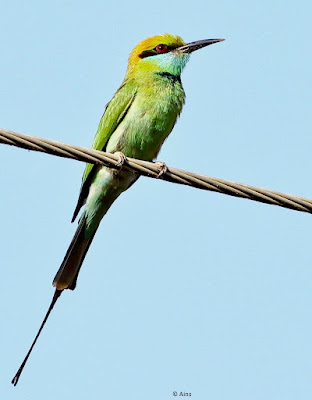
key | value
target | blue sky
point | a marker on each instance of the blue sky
(182, 289)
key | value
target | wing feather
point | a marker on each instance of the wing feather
(115, 111)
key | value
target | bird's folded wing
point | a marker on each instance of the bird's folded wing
(114, 113)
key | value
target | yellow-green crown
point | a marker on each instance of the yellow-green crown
(171, 41)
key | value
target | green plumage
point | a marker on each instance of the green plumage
(136, 122)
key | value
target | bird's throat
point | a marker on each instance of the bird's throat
(171, 77)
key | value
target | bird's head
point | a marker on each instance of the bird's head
(165, 53)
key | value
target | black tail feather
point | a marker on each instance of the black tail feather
(66, 276)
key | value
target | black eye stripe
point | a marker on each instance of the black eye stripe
(153, 52)
(147, 53)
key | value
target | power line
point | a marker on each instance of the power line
(156, 170)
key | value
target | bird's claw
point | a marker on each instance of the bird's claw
(121, 159)
(162, 167)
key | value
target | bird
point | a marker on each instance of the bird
(135, 123)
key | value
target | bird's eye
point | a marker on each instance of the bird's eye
(161, 48)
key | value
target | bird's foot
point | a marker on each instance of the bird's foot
(121, 159)
(162, 167)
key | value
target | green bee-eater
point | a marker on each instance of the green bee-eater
(135, 123)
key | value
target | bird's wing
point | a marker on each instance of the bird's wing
(115, 112)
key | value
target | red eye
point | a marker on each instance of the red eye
(161, 48)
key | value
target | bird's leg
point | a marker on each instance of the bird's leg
(121, 159)
(162, 167)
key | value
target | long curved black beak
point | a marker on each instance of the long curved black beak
(190, 47)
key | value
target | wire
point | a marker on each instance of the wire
(156, 170)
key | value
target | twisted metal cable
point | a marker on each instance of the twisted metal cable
(155, 170)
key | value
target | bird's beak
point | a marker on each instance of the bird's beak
(190, 47)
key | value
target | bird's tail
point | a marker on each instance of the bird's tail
(66, 276)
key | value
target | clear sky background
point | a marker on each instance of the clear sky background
(182, 289)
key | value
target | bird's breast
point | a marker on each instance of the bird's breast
(149, 120)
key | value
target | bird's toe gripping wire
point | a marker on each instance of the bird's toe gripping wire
(121, 159)
(162, 168)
